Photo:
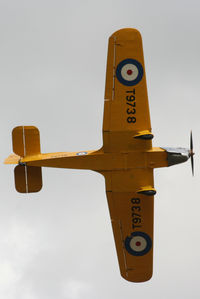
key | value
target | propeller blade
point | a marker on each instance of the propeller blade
(191, 142)
(192, 164)
(191, 153)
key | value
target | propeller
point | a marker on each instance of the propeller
(191, 153)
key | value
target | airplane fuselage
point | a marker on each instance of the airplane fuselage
(101, 161)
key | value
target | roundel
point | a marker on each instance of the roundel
(129, 72)
(81, 153)
(138, 243)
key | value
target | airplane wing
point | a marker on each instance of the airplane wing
(127, 128)
(126, 109)
(131, 214)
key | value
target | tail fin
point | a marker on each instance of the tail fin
(26, 142)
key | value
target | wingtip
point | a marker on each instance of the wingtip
(127, 33)
(139, 277)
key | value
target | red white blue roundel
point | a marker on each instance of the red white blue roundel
(81, 153)
(138, 243)
(129, 72)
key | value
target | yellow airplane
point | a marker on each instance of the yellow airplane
(126, 159)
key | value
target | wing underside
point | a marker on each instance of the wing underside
(132, 221)
(126, 108)
(127, 130)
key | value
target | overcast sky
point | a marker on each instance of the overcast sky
(58, 243)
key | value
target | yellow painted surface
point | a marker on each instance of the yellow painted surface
(26, 141)
(132, 268)
(28, 179)
(117, 131)
(12, 159)
(126, 162)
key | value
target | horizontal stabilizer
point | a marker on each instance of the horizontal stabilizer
(28, 178)
(26, 141)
